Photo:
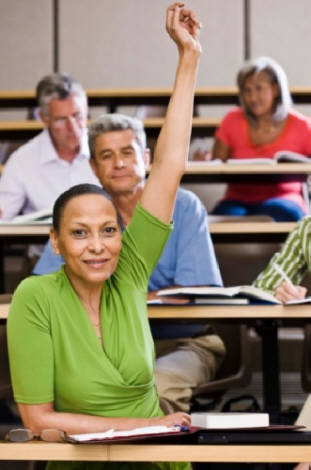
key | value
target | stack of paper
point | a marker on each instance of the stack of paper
(230, 420)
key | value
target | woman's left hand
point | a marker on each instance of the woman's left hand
(183, 27)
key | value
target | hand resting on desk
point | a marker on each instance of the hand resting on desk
(286, 292)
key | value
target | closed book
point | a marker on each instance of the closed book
(230, 420)
(220, 301)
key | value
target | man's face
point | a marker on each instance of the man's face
(66, 121)
(119, 162)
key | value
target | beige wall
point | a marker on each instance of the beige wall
(122, 43)
(26, 50)
(281, 29)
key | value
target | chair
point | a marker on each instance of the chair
(235, 370)
(306, 360)
(5, 381)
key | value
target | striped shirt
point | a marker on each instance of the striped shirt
(294, 258)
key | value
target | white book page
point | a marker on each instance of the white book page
(251, 161)
(111, 433)
(289, 156)
(306, 300)
(40, 216)
(221, 291)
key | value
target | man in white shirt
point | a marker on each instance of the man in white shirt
(54, 160)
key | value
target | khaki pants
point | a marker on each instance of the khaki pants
(304, 418)
(183, 364)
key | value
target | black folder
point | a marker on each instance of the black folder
(277, 434)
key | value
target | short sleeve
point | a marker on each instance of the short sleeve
(30, 345)
(142, 244)
(307, 150)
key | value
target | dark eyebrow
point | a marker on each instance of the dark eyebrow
(112, 221)
(127, 147)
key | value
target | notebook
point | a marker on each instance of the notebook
(274, 434)
(229, 420)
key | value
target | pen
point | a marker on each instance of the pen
(282, 273)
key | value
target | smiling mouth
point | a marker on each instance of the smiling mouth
(120, 176)
(96, 263)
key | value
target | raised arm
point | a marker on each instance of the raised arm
(173, 143)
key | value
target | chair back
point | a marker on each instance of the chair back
(5, 381)
(235, 370)
(306, 360)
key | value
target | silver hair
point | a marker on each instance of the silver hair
(57, 86)
(116, 122)
(276, 75)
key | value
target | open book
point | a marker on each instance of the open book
(283, 156)
(226, 295)
(131, 434)
(42, 216)
(229, 420)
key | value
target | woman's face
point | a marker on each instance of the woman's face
(89, 239)
(259, 94)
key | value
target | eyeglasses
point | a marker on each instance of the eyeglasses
(26, 435)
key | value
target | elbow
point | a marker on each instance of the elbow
(36, 417)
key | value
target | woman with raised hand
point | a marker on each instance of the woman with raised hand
(80, 348)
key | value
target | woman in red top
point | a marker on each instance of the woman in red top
(262, 126)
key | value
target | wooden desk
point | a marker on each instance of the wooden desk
(221, 232)
(21, 130)
(251, 314)
(232, 232)
(156, 453)
(114, 97)
(37, 233)
(241, 173)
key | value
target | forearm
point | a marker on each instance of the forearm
(291, 260)
(39, 417)
(73, 423)
(173, 141)
(220, 150)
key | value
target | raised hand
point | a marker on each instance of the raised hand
(183, 27)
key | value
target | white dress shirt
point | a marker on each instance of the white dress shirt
(34, 176)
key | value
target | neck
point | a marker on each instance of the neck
(88, 293)
(65, 153)
(126, 203)
(68, 154)
(264, 121)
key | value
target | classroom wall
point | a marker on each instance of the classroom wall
(123, 44)
(281, 28)
(126, 46)
(26, 51)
